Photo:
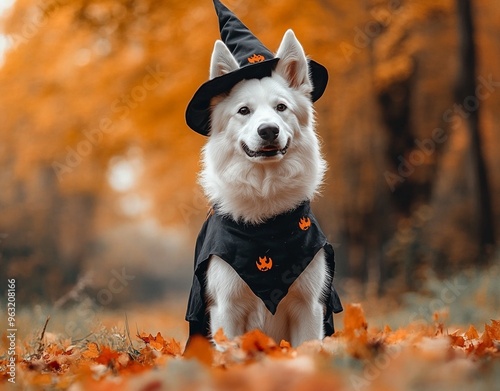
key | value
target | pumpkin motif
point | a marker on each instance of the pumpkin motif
(256, 58)
(304, 223)
(264, 264)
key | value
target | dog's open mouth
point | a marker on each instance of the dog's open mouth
(266, 151)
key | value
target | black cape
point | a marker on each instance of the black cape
(268, 257)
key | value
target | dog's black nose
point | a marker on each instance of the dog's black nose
(268, 132)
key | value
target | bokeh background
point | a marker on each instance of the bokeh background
(98, 192)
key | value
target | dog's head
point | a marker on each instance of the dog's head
(264, 118)
(262, 156)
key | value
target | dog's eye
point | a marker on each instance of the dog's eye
(281, 107)
(244, 110)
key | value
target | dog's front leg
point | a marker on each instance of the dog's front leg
(227, 306)
(304, 302)
(306, 323)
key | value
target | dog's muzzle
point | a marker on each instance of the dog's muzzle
(270, 150)
(268, 132)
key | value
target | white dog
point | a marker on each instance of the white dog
(262, 159)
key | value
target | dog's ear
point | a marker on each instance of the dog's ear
(293, 62)
(222, 60)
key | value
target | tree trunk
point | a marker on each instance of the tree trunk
(465, 96)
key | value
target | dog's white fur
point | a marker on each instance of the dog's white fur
(253, 189)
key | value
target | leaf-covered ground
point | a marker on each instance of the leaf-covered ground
(446, 337)
(357, 357)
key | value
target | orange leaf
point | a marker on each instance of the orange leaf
(256, 340)
(285, 344)
(354, 320)
(107, 355)
(159, 338)
(173, 348)
(485, 343)
(494, 330)
(220, 337)
(492, 334)
(157, 342)
(457, 340)
(92, 350)
(472, 333)
(200, 349)
(397, 336)
(144, 337)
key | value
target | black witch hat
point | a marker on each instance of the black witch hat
(255, 61)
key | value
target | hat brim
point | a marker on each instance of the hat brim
(198, 109)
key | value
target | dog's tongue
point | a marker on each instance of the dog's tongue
(268, 148)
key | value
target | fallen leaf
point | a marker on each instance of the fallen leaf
(107, 356)
(285, 344)
(220, 338)
(199, 348)
(494, 330)
(92, 350)
(256, 341)
(354, 320)
(471, 333)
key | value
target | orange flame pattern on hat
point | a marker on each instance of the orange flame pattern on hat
(256, 58)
